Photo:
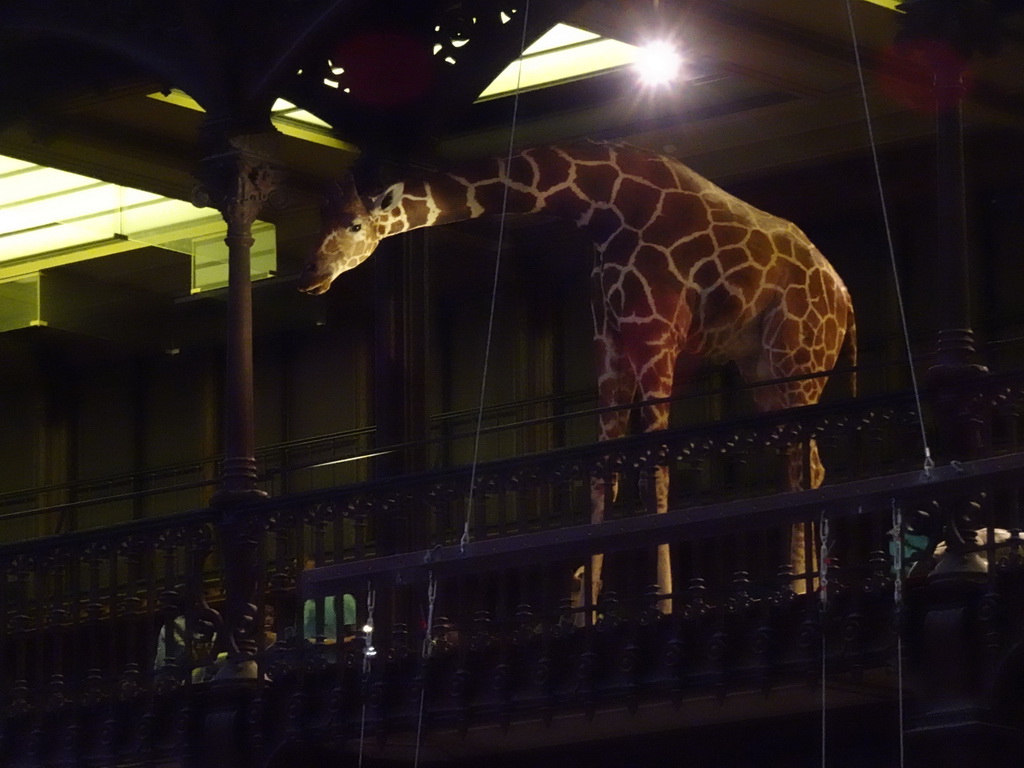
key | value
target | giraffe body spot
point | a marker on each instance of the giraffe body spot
(796, 301)
(760, 248)
(522, 171)
(554, 171)
(782, 243)
(417, 212)
(831, 334)
(732, 259)
(682, 214)
(721, 307)
(729, 234)
(603, 224)
(637, 202)
(708, 273)
(691, 251)
(567, 204)
(639, 304)
(623, 244)
(596, 182)
(747, 279)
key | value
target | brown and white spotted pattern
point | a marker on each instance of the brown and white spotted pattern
(682, 267)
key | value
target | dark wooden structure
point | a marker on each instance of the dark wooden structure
(172, 459)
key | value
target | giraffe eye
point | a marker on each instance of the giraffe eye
(355, 227)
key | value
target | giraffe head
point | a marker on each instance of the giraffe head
(352, 226)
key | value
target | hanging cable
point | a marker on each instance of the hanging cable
(425, 653)
(897, 598)
(428, 647)
(929, 463)
(494, 287)
(823, 555)
(368, 653)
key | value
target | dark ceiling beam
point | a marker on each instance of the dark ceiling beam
(484, 59)
(142, 43)
(306, 34)
(409, 129)
(94, 149)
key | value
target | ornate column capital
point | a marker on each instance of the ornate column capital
(241, 178)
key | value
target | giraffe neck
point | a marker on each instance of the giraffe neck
(433, 199)
(591, 185)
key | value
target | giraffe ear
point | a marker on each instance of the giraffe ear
(387, 199)
(340, 192)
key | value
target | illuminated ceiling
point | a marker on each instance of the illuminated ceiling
(50, 218)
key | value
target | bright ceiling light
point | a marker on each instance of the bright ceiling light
(658, 63)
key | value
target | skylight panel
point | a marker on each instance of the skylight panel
(562, 54)
(560, 36)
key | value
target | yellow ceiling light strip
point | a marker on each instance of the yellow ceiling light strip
(50, 218)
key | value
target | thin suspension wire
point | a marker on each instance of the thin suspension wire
(494, 287)
(426, 651)
(897, 528)
(823, 608)
(929, 464)
(897, 598)
(368, 653)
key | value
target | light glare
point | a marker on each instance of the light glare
(658, 63)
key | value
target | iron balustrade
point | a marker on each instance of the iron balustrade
(82, 612)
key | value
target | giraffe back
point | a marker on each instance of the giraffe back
(719, 276)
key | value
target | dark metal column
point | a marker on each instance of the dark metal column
(959, 719)
(955, 344)
(239, 179)
(942, 36)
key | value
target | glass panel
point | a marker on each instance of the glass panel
(210, 258)
(19, 303)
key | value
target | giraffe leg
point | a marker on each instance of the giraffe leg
(656, 384)
(616, 386)
(603, 490)
(801, 475)
(798, 474)
(804, 334)
(654, 486)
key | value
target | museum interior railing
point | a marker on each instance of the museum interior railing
(463, 593)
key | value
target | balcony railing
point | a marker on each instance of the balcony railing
(496, 627)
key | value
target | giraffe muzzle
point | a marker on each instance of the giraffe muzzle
(313, 281)
(315, 289)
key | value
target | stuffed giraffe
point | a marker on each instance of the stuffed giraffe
(681, 267)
